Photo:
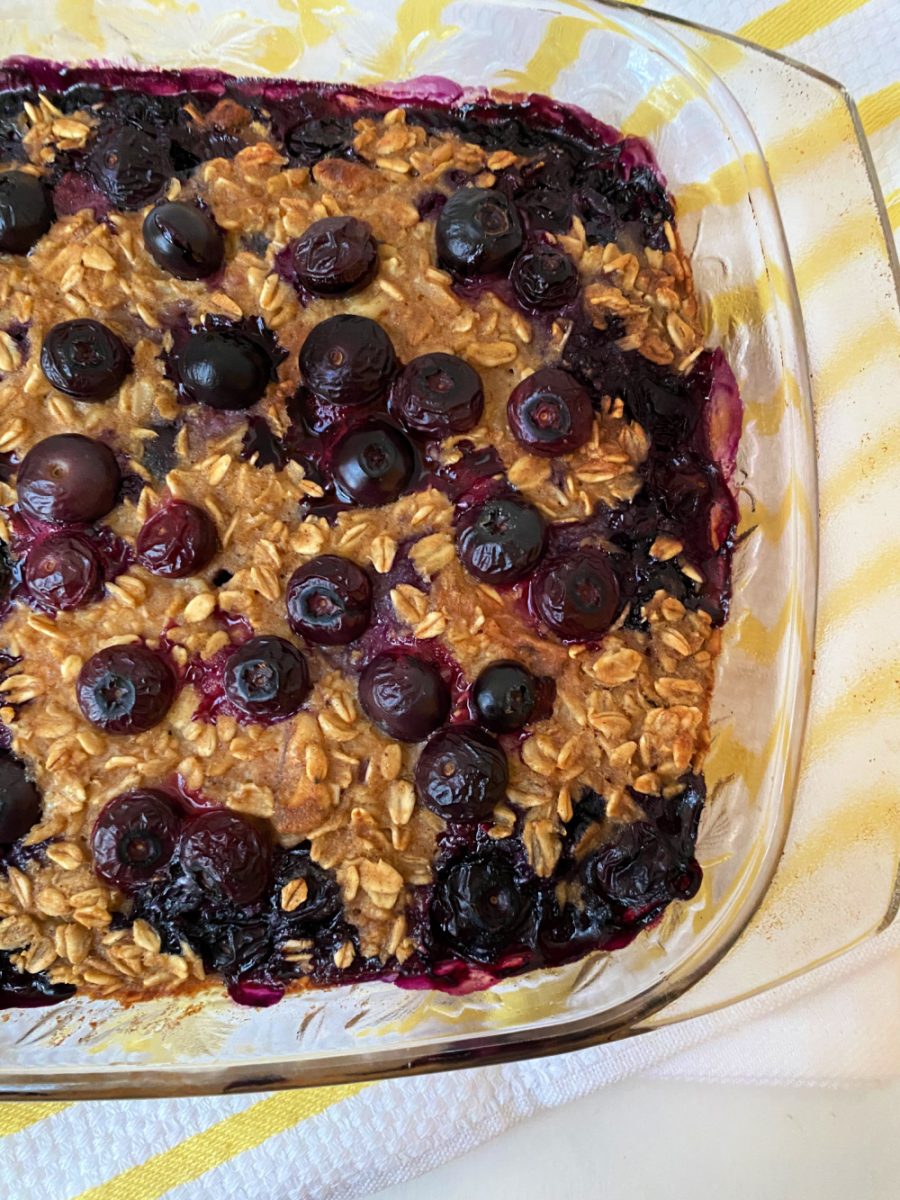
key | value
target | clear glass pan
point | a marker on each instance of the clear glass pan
(646, 74)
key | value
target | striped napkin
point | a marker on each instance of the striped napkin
(343, 1142)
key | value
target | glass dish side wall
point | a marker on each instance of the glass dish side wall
(618, 65)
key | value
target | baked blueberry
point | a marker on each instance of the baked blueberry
(478, 232)
(311, 140)
(550, 413)
(577, 598)
(462, 773)
(335, 256)
(184, 240)
(639, 871)
(134, 838)
(267, 679)
(226, 856)
(372, 464)
(20, 800)
(85, 359)
(223, 368)
(321, 902)
(177, 541)
(329, 600)
(505, 695)
(130, 166)
(482, 906)
(544, 277)
(26, 211)
(404, 696)
(501, 541)
(125, 689)
(63, 571)
(347, 359)
(437, 395)
(68, 478)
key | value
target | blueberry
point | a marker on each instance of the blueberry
(461, 773)
(347, 360)
(134, 838)
(267, 679)
(125, 689)
(184, 240)
(321, 902)
(477, 232)
(544, 277)
(68, 477)
(21, 989)
(26, 211)
(85, 359)
(177, 541)
(311, 140)
(223, 368)
(130, 166)
(225, 856)
(639, 872)
(63, 571)
(437, 395)
(404, 696)
(372, 464)
(329, 600)
(505, 695)
(482, 906)
(20, 800)
(576, 598)
(550, 413)
(335, 256)
(501, 541)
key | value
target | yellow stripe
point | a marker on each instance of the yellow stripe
(748, 303)
(773, 522)
(762, 642)
(767, 415)
(795, 19)
(223, 1141)
(854, 235)
(396, 59)
(893, 207)
(560, 47)
(16, 1117)
(854, 357)
(880, 109)
(875, 693)
(873, 577)
(863, 469)
(775, 30)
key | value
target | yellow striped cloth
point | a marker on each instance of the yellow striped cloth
(341, 1142)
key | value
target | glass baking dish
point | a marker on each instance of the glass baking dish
(648, 75)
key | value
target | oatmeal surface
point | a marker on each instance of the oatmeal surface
(628, 717)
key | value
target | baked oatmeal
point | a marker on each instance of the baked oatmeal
(367, 536)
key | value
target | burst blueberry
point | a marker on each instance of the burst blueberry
(178, 540)
(63, 571)
(335, 256)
